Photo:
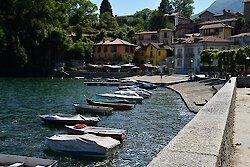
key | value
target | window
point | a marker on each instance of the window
(113, 49)
(198, 50)
(159, 53)
(179, 62)
(99, 49)
(105, 49)
(179, 52)
(127, 49)
(153, 37)
(165, 34)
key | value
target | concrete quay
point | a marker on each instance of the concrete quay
(219, 134)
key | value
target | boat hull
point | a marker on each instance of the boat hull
(82, 145)
(66, 119)
(118, 134)
(92, 109)
(115, 106)
(6, 160)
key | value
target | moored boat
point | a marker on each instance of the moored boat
(86, 145)
(107, 100)
(146, 85)
(22, 161)
(82, 108)
(67, 119)
(133, 93)
(119, 96)
(79, 129)
(115, 106)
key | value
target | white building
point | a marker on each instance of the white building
(187, 51)
(241, 40)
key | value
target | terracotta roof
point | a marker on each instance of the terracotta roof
(213, 39)
(191, 40)
(218, 21)
(160, 45)
(241, 35)
(116, 41)
(206, 12)
(218, 25)
(148, 32)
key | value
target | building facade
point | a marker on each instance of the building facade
(152, 53)
(240, 40)
(247, 14)
(113, 52)
(164, 36)
(187, 52)
(219, 30)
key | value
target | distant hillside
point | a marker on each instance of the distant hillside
(218, 6)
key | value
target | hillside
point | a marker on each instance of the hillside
(218, 6)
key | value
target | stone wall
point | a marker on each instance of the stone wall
(207, 139)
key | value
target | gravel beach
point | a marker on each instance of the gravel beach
(194, 93)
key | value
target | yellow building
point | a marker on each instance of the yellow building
(219, 30)
(152, 53)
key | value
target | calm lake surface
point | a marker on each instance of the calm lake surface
(150, 125)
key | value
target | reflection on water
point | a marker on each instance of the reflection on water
(151, 125)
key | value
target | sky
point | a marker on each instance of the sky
(127, 7)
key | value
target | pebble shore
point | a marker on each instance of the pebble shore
(193, 93)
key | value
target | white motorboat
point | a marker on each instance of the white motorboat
(67, 119)
(119, 96)
(87, 145)
(22, 161)
(133, 93)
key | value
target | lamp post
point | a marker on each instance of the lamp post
(191, 64)
(247, 64)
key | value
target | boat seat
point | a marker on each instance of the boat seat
(17, 164)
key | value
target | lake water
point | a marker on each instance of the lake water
(150, 125)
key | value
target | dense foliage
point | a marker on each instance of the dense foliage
(105, 7)
(227, 61)
(36, 35)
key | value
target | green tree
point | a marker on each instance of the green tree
(240, 22)
(108, 22)
(157, 21)
(184, 7)
(207, 57)
(166, 7)
(141, 20)
(105, 7)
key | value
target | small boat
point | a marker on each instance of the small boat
(200, 103)
(133, 93)
(22, 161)
(80, 129)
(119, 96)
(106, 100)
(87, 145)
(82, 108)
(115, 106)
(146, 85)
(67, 119)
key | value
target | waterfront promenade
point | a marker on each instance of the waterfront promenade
(232, 110)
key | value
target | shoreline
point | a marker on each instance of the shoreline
(193, 93)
